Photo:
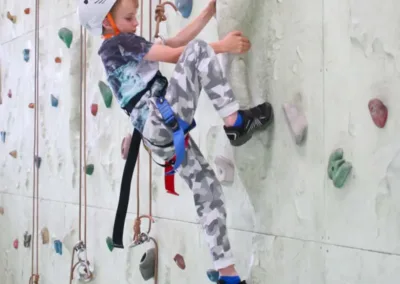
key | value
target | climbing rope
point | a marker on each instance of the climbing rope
(34, 279)
(160, 16)
(82, 265)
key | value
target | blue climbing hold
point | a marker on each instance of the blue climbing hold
(184, 7)
(54, 101)
(58, 247)
(3, 136)
(213, 275)
(26, 54)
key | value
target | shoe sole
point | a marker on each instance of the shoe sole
(242, 140)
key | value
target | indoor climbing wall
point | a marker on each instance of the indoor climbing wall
(312, 200)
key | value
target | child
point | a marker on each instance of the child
(163, 111)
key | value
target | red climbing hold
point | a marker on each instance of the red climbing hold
(57, 60)
(16, 243)
(180, 261)
(379, 112)
(94, 109)
(31, 105)
(27, 11)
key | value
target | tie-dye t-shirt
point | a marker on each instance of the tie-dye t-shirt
(127, 72)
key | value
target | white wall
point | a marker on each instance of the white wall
(288, 224)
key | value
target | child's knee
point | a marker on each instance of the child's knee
(198, 46)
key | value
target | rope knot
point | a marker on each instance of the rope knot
(160, 15)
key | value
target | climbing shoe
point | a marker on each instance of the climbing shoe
(254, 119)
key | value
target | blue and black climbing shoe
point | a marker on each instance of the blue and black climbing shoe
(223, 282)
(252, 120)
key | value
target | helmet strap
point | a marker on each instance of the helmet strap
(113, 25)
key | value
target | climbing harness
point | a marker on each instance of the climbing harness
(82, 266)
(34, 278)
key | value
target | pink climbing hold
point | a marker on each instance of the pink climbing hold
(297, 122)
(379, 112)
(180, 261)
(9, 94)
(126, 142)
(94, 109)
(16, 243)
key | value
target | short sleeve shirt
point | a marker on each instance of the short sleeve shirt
(127, 72)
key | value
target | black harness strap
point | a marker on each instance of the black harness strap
(123, 202)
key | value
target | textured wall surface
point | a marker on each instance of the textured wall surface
(288, 223)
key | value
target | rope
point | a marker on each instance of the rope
(80, 247)
(35, 198)
(160, 15)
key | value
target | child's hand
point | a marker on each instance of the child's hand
(235, 42)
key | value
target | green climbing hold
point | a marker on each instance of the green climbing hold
(338, 168)
(341, 174)
(110, 243)
(106, 93)
(66, 36)
(89, 169)
(336, 155)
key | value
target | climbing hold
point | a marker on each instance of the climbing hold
(57, 60)
(89, 169)
(338, 168)
(27, 240)
(1, 211)
(94, 109)
(3, 136)
(335, 156)
(9, 94)
(38, 161)
(297, 122)
(378, 111)
(31, 105)
(13, 154)
(184, 7)
(11, 17)
(26, 53)
(27, 11)
(110, 243)
(126, 142)
(66, 36)
(224, 170)
(106, 93)
(16, 243)
(147, 264)
(180, 261)
(58, 247)
(341, 174)
(54, 101)
(45, 235)
(213, 275)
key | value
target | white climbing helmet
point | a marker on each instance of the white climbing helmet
(92, 14)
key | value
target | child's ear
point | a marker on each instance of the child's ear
(106, 24)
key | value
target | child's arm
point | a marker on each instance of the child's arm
(234, 42)
(194, 28)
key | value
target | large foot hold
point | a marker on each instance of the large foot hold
(341, 174)
(255, 119)
(378, 111)
(147, 264)
(297, 122)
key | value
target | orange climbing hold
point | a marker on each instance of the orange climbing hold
(13, 154)
(27, 11)
(378, 111)
(57, 60)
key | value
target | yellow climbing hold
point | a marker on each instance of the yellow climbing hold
(11, 17)
(45, 235)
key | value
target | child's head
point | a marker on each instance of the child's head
(95, 16)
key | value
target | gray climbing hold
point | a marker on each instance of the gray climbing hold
(147, 264)
(224, 170)
(297, 122)
(3, 136)
(54, 101)
(185, 7)
(26, 54)
(27, 240)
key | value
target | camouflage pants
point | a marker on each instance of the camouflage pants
(198, 68)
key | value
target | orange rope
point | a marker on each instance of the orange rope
(160, 15)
